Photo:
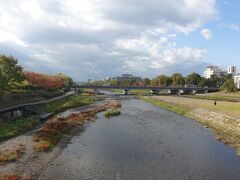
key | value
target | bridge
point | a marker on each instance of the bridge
(153, 89)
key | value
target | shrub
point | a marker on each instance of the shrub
(9, 155)
(228, 86)
(112, 112)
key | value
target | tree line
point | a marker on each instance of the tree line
(223, 81)
(13, 77)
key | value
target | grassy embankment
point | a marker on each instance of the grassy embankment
(70, 102)
(17, 126)
(182, 110)
(143, 92)
(220, 96)
(119, 91)
(20, 97)
(223, 118)
(56, 128)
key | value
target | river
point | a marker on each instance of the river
(144, 142)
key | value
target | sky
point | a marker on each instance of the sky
(94, 39)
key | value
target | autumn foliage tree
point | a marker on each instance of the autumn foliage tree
(44, 81)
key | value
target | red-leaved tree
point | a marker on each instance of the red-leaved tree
(44, 81)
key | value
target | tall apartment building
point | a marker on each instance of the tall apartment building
(237, 81)
(217, 71)
(213, 70)
(232, 70)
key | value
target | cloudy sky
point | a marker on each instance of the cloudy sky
(99, 38)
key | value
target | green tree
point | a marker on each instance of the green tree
(178, 79)
(161, 80)
(154, 82)
(3, 80)
(228, 86)
(113, 82)
(193, 79)
(146, 81)
(126, 82)
(99, 83)
(207, 82)
(220, 79)
(10, 72)
(67, 81)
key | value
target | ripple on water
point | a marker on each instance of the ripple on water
(145, 142)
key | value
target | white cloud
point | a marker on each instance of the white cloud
(112, 36)
(235, 27)
(206, 33)
(156, 54)
(32, 8)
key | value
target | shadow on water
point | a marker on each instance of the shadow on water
(144, 142)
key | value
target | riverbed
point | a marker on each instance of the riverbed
(144, 142)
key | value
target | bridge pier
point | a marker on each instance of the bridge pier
(179, 92)
(175, 91)
(170, 91)
(202, 91)
(194, 91)
(95, 91)
(126, 91)
(155, 91)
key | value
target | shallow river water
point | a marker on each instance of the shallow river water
(144, 142)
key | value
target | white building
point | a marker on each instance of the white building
(128, 77)
(232, 70)
(212, 70)
(237, 81)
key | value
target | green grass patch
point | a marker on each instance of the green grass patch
(86, 91)
(182, 110)
(112, 112)
(69, 102)
(217, 98)
(143, 92)
(220, 96)
(15, 127)
(26, 96)
(115, 90)
(11, 102)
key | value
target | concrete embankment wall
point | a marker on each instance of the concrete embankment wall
(25, 109)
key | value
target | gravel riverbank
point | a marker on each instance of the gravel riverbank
(33, 162)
